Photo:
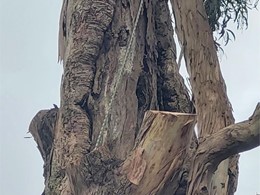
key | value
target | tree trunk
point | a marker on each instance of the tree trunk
(103, 139)
(94, 36)
(213, 108)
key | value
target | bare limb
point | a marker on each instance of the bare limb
(235, 138)
(220, 145)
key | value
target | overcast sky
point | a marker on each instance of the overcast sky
(30, 81)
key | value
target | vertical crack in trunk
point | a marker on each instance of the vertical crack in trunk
(172, 92)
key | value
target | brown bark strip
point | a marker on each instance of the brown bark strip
(213, 108)
(172, 92)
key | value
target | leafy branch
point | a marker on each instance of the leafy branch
(221, 12)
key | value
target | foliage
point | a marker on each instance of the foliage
(220, 12)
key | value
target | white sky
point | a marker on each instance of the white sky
(30, 80)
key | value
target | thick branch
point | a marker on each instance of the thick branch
(233, 139)
(221, 145)
(172, 93)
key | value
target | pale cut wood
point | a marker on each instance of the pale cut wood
(163, 143)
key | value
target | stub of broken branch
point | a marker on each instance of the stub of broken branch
(42, 130)
(162, 145)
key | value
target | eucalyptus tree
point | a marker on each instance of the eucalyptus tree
(126, 119)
